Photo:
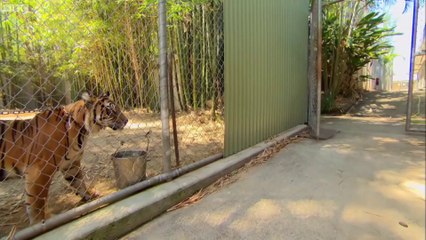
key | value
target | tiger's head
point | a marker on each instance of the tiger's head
(104, 111)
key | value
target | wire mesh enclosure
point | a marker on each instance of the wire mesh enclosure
(52, 52)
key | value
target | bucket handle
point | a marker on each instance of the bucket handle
(147, 135)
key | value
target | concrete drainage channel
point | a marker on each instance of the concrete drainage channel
(124, 215)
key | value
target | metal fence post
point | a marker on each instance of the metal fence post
(314, 69)
(319, 64)
(412, 59)
(162, 33)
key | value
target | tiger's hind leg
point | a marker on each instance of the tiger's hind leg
(37, 183)
(73, 174)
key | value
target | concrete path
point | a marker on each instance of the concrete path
(368, 182)
(390, 105)
(382, 104)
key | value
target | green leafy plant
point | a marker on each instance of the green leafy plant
(353, 35)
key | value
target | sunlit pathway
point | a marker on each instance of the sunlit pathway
(365, 183)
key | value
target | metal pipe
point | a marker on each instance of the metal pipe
(416, 131)
(162, 34)
(58, 220)
(412, 58)
(173, 110)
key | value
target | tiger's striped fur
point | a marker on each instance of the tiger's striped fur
(54, 140)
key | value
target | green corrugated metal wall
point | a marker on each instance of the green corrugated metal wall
(266, 63)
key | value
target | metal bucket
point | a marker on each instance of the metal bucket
(129, 167)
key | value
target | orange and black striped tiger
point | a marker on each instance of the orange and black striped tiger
(54, 140)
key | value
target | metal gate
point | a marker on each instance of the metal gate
(416, 116)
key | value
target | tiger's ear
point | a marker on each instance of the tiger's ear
(88, 100)
(85, 96)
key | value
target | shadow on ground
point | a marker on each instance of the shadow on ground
(391, 105)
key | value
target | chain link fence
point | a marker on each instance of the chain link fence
(51, 52)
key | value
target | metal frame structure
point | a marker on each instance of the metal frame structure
(408, 126)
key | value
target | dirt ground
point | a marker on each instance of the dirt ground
(198, 136)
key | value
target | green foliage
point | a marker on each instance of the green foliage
(59, 48)
(36, 49)
(328, 102)
(353, 35)
(367, 41)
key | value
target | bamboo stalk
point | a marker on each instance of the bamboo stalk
(194, 60)
(133, 54)
(183, 63)
(176, 75)
(204, 73)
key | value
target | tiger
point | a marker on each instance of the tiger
(54, 140)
